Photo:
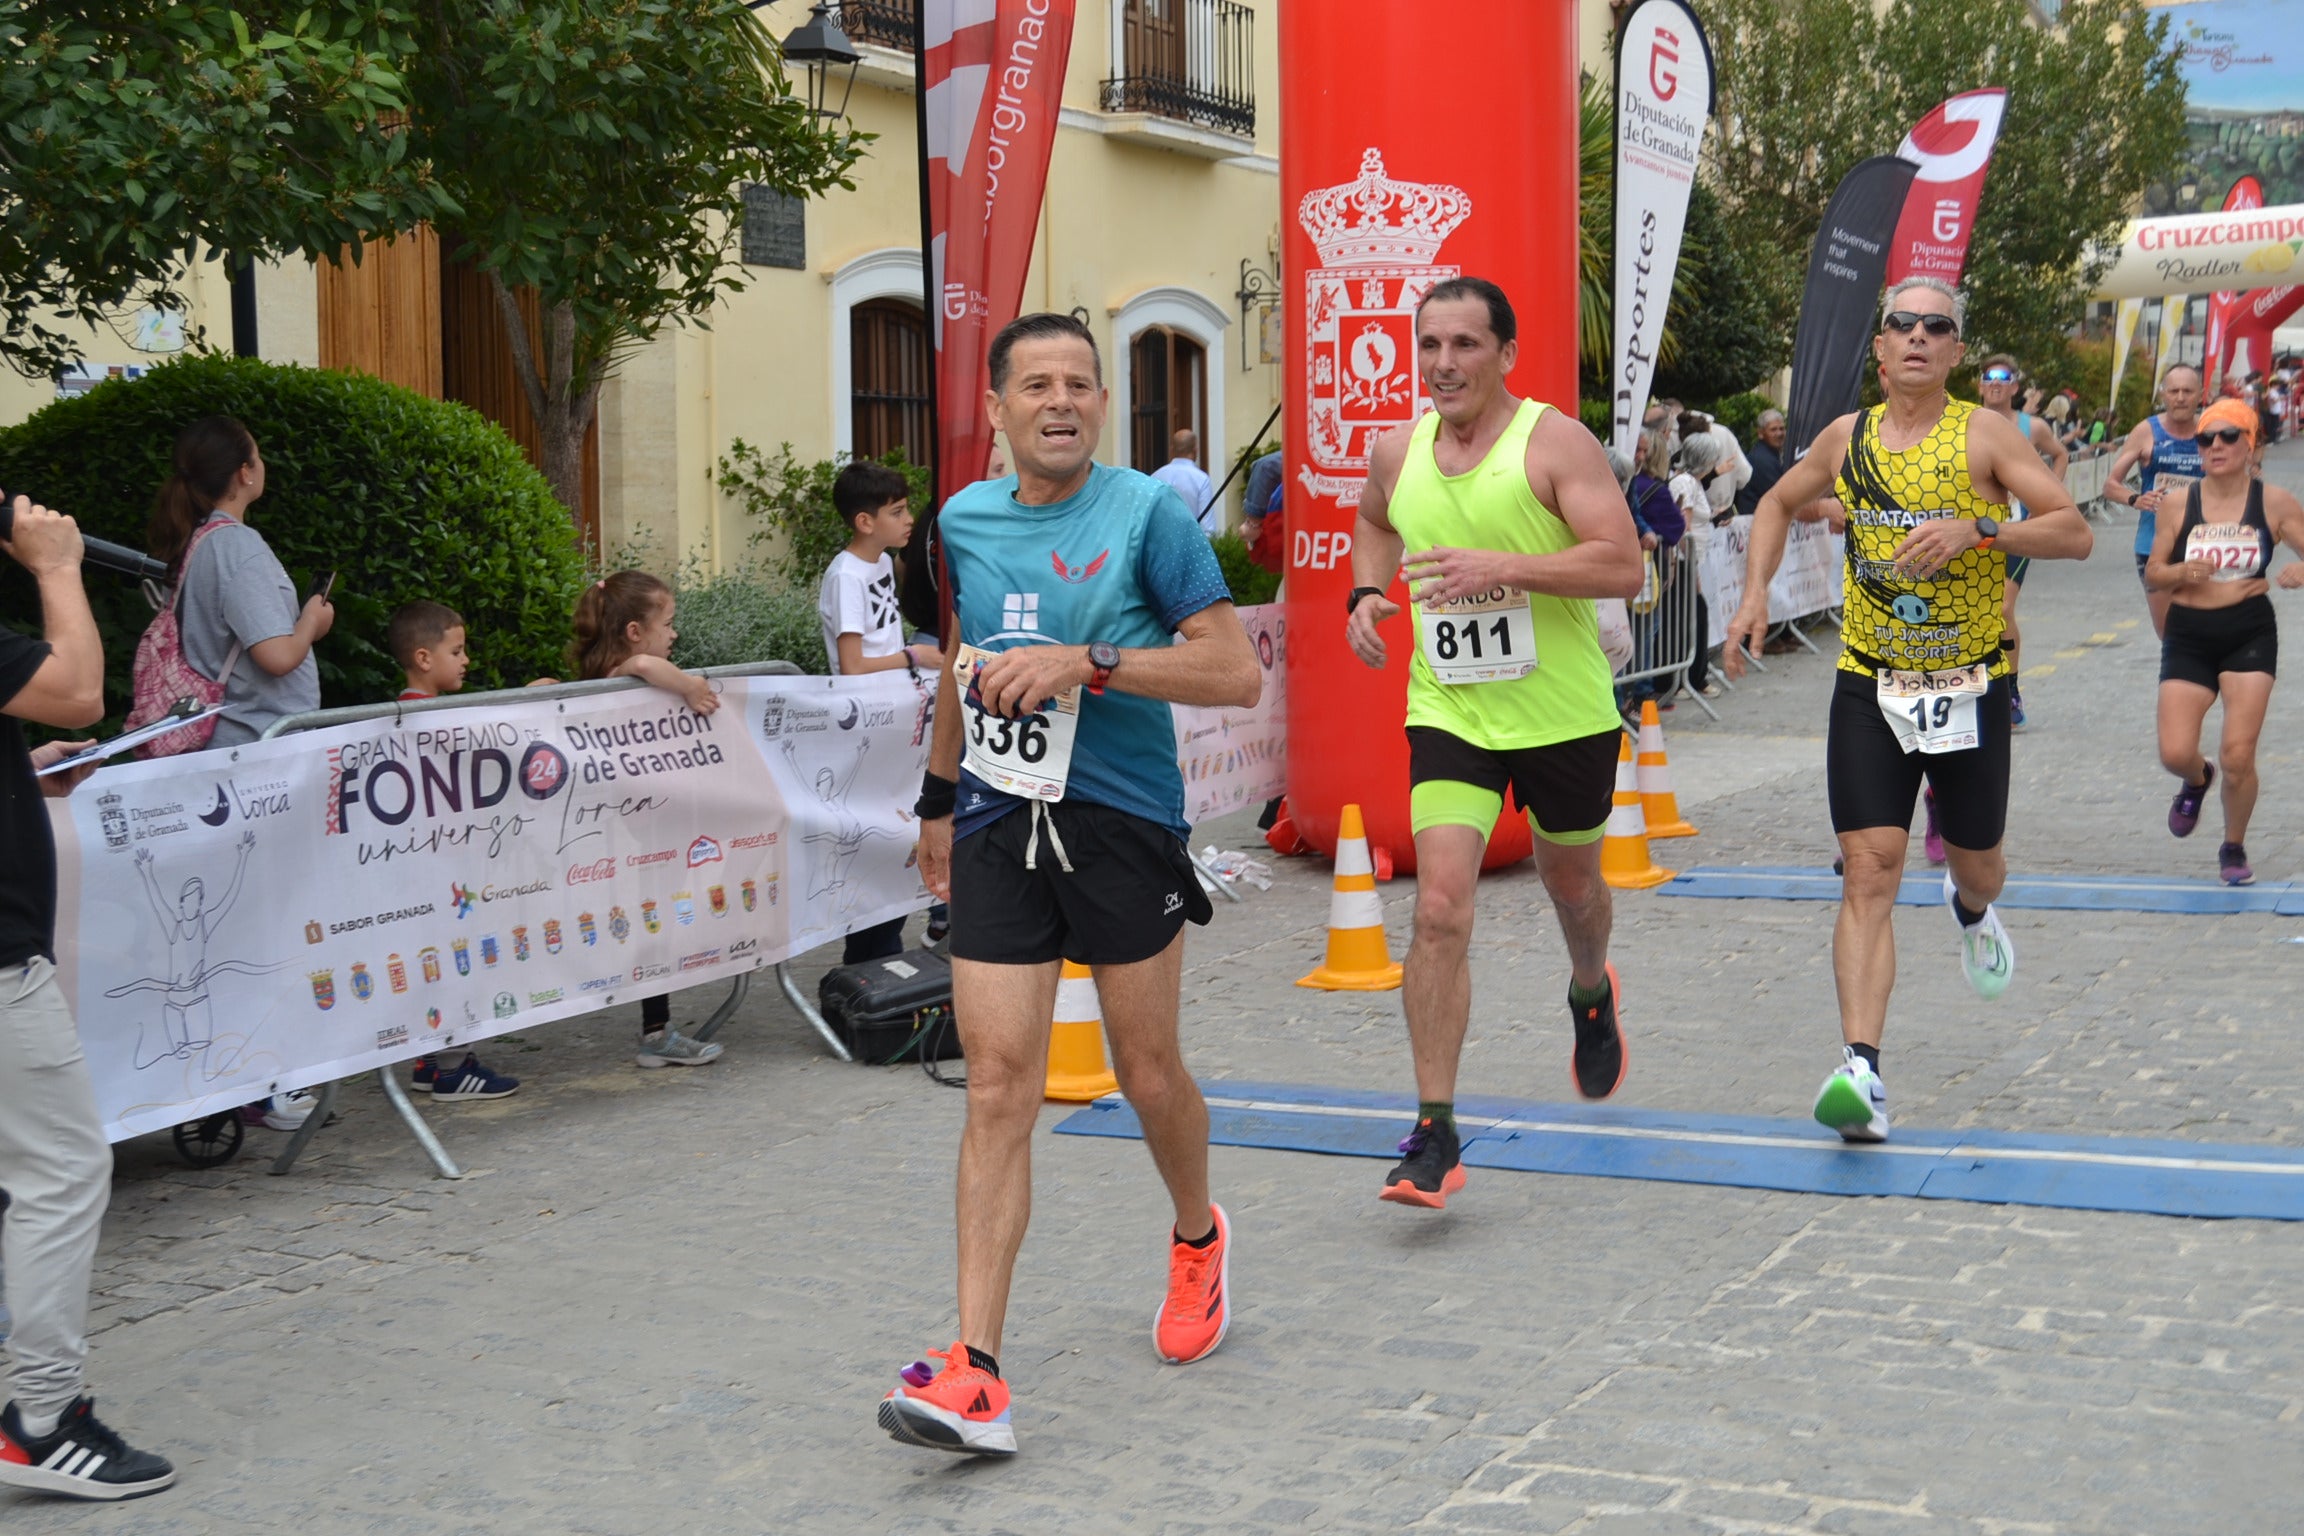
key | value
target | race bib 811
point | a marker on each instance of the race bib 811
(1485, 638)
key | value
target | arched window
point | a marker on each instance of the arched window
(1167, 391)
(889, 379)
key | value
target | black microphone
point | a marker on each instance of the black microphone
(132, 563)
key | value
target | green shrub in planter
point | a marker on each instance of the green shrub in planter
(745, 613)
(790, 504)
(1250, 582)
(401, 496)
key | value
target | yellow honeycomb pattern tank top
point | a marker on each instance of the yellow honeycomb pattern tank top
(1889, 620)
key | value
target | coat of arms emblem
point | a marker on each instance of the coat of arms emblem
(1378, 239)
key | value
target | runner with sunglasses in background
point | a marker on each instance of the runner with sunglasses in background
(2211, 555)
(2162, 450)
(1922, 688)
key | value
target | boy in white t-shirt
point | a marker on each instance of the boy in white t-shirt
(864, 626)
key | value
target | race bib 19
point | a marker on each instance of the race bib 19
(2232, 548)
(1486, 638)
(1934, 711)
(1029, 756)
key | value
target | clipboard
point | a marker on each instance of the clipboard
(185, 713)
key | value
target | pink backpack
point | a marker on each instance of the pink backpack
(165, 677)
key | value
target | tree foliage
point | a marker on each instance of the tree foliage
(1726, 326)
(599, 153)
(1807, 88)
(136, 135)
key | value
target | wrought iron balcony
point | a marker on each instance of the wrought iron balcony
(1192, 60)
(885, 23)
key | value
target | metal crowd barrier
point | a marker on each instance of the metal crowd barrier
(1668, 640)
(2086, 479)
(394, 1093)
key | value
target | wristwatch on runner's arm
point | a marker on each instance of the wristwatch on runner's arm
(1986, 531)
(1352, 603)
(1103, 656)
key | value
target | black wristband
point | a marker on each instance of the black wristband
(937, 797)
(1352, 603)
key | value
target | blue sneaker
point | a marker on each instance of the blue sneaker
(427, 1072)
(473, 1081)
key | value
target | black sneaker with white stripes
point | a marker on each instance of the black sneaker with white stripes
(81, 1460)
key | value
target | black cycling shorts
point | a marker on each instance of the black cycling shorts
(1873, 781)
(2202, 644)
(1566, 788)
(1129, 891)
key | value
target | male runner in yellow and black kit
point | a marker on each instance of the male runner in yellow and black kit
(1515, 525)
(1922, 686)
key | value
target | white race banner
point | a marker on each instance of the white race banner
(1663, 96)
(1232, 758)
(1807, 582)
(246, 921)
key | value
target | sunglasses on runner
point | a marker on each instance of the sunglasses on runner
(1998, 375)
(2225, 435)
(1901, 322)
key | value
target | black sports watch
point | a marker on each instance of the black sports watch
(1103, 655)
(1352, 603)
(1987, 529)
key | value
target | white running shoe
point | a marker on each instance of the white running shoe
(1854, 1102)
(289, 1111)
(1987, 954)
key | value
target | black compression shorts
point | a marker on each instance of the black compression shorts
(1873, 781)
(2202, 644)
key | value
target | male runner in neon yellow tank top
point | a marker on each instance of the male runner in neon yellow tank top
(1922, 687)
(1512, 524)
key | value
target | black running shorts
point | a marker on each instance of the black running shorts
(2202, 644)
(1566, 788)
(1129, 891)
(1873, 781)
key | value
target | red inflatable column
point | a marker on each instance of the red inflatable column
(1417, 143)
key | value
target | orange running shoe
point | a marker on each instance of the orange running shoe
(962, 1408)
(1198, 1310)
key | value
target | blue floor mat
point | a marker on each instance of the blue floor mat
(2067, 893)
(2166, 1178)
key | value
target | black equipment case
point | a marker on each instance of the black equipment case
(897, 1009)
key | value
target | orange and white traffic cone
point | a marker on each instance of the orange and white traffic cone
(1077, 1070)
(1659, 807)
(1624, 861)
(1357, 959)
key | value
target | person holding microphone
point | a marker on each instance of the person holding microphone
(54, 1160)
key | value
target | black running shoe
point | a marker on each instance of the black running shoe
(1599, 1061)
(81, 1460)
(1431, 1168)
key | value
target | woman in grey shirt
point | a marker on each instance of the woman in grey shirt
(234, 590)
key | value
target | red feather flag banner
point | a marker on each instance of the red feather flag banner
(1952, 146)
(992, 82)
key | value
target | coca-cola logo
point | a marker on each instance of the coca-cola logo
(598, 869)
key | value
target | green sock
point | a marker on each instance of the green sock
(1585, 997)
(1441, 1113)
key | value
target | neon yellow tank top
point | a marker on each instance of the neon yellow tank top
(1888, 620)
(1571, 693)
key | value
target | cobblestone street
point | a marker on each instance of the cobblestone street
(669, 1300)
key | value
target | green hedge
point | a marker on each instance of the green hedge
(1250, 582)
(402, 496)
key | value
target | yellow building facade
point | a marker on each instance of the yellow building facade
(1162, 209)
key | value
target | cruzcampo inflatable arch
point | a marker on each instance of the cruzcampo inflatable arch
(1415, 145)
(2237, 248)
